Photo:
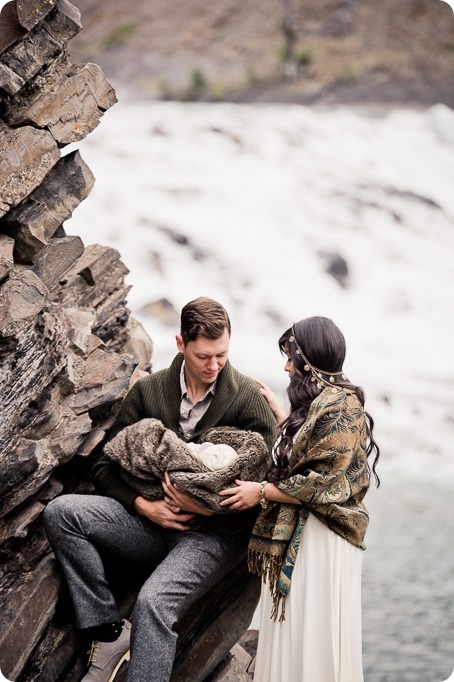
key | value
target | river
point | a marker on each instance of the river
(408, 580)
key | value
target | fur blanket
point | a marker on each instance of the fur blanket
(147, 449)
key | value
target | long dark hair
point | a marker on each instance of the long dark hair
(323, 345)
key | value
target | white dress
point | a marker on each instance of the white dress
(320, 639)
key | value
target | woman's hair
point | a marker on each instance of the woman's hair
(318, 341)
(203, 317)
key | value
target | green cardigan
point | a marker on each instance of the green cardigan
(236, 402)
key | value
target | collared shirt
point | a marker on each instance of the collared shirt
(191, 413)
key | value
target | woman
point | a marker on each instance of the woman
(308, 539)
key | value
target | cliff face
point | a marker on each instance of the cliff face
(69, 351)
(322, 51)
(64, 322)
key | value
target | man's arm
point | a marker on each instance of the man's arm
(178, 500)
(108, 480)
(105, 474)
(162, 513)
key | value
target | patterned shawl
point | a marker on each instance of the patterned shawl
(329, 475)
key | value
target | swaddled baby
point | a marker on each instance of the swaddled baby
(213, 456)
(146, 450)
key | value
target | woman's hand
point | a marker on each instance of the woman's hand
(245, 495)
(178, 501)
(272, 401)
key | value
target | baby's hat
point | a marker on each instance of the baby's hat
(214, 456)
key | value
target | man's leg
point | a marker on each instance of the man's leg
(77, 527)
(195, 562)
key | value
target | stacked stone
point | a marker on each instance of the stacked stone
(69, 351)
(64, 323)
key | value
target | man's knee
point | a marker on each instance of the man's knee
(155, 604)
(57, 511)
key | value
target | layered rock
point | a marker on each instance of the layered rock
(64, 322)
(69, 351)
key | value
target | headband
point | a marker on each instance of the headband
(315, 371)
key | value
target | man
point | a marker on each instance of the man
(198, 391)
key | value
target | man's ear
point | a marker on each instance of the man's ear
(180, 344)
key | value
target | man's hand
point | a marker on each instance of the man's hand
(162, 513)
(177, 499)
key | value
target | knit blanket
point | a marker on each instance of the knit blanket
(145, 450)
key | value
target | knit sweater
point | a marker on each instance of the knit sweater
(237, 402)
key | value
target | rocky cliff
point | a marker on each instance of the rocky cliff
(69, 351)
(65, 331)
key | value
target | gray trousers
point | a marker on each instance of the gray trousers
(183, 566)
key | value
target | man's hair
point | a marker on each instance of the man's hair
(203, 317)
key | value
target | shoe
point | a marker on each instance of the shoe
(105, 658)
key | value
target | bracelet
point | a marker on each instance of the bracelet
(262, 498)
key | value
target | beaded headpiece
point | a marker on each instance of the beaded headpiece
(317, 374)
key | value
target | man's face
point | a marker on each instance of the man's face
(204, 358)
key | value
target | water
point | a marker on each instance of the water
(408, 583)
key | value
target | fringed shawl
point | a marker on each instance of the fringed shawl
(329, 475)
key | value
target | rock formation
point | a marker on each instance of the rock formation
(64, 324)
(69, 351)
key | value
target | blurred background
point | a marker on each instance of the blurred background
(293, 158)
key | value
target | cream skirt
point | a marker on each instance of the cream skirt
(320, 639)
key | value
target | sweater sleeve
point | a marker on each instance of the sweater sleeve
(105, 474)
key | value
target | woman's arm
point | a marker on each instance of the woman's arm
(272, 401)
(333, 466)
(337, 437)
(246, 494)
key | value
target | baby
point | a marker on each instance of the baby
(214, 456)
